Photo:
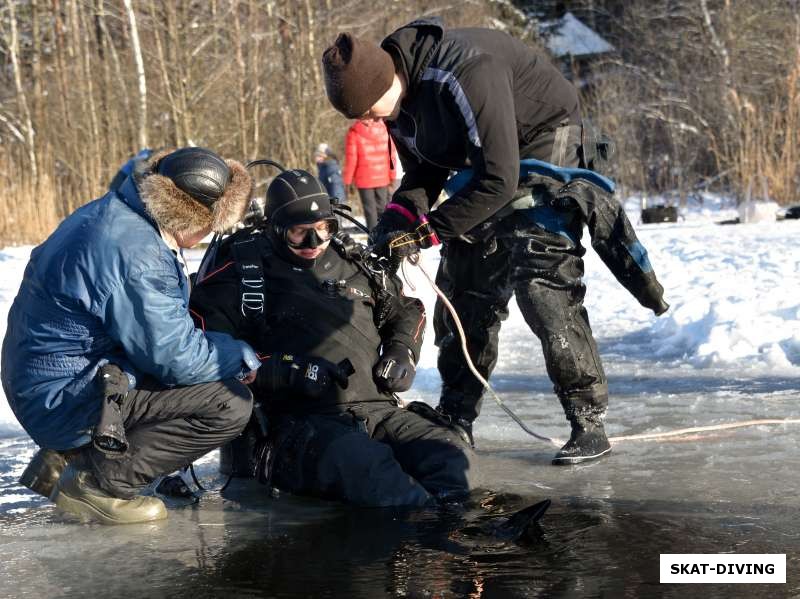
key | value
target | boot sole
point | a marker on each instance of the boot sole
(569, 461)
(84, 510)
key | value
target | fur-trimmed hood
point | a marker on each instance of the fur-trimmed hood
(177, 212)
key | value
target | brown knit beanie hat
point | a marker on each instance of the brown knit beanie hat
(357, 74)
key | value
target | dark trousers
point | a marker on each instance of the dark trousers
(373, 200)
(168, 429)
(543, 270)
(537, 256)
(373, 455)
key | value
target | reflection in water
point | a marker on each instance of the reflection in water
(249, 545)
(449, 552)
(582, 548)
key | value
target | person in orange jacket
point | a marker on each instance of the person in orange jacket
(369, 162)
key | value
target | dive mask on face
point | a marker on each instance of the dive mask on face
(300, 238)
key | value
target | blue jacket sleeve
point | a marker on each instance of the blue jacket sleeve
(148, 316)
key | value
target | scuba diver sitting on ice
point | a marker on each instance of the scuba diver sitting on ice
(337, 340)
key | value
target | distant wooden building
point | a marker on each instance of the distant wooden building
(576, 46)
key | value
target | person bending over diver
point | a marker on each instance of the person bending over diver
(337, 340)
(482, 103)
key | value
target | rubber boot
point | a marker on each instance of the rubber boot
(77, 493)
(460, 410)
(43, 471)
(588, 440)
(464, 428)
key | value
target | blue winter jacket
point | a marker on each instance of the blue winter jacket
(103, 287)
(330, 173)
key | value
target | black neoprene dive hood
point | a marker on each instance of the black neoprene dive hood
(296, 197)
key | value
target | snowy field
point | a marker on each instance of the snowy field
(728, 350)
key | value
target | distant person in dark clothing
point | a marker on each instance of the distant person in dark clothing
(329, 171)
(482, 103)
(369, 165)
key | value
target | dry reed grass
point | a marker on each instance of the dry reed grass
(32, 210)
(766, 163)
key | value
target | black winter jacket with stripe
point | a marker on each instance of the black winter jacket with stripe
(476, 98)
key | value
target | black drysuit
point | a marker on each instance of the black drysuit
(479, 99)
(352, 444)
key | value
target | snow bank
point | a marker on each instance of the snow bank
(734, 295)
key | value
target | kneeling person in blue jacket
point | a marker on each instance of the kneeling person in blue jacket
(102, 364)
(338, 339)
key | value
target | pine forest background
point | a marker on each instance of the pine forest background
(698, 94)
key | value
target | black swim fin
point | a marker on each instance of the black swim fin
(516, 526)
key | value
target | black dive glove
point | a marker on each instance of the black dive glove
(396, 218)
(110, 381)
(401, 233)
(395, 371)
(307, 376)
(111, 386)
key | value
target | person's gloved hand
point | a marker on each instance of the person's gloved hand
(397, 218)
(396, 237)
(395, 371)
(111, 382)
(111, 385)
(306, 376)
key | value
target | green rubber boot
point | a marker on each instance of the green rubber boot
(78, 494)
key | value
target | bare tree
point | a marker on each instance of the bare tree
(699, 90)
(140, 75)
(238, 42)
(118, 79)
(689, 83)
(12, 44)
